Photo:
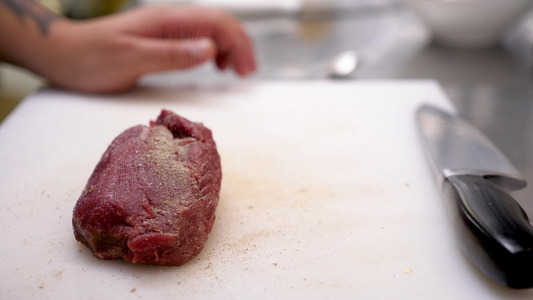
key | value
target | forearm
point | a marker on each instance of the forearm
(25, 30)
(35, 38)
(110, 53)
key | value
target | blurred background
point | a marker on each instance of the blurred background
(389, 39)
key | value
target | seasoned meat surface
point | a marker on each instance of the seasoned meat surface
(152, 197)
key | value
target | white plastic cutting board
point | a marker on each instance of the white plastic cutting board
(326, 194)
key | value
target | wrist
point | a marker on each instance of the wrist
(44, 53)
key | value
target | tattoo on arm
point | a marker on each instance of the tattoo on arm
(40, 14)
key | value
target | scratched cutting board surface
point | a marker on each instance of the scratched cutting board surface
(325, 194)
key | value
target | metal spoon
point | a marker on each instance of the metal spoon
(343, 65)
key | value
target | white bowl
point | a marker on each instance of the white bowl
(468, 23)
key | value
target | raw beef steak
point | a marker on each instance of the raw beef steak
(152, 197)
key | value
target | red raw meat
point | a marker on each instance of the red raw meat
(152, 197)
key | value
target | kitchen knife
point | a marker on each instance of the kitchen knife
(491, 228)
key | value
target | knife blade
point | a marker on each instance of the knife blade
(490, 227)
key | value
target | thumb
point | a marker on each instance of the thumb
(163, 54)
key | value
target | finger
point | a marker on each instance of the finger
(244, 64)
(155, 55)
(235, 48)
(239, 56)
(222, 61)
(229, 35)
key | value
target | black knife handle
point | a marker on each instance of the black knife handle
(492, 229)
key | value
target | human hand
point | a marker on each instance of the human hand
(110, 54)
